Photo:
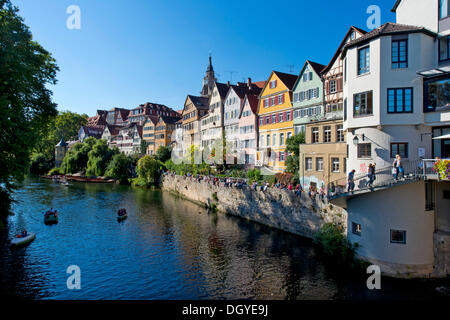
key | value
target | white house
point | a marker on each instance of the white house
(395, 101)
(212, 123)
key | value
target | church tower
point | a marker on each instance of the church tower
(208, 80)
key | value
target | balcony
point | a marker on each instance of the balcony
(412, 171)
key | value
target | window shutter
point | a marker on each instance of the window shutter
(276, 100)
(275, 85)
(339, 84)
(277, 119)
(327, 87)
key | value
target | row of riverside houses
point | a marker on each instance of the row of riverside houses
(384, 93)
(151, 123)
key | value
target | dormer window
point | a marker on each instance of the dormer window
(353, 35)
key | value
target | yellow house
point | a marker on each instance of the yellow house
(275, 119)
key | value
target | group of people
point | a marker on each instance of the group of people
(397, 168)
(51, 212)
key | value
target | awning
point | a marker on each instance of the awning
(434, 72)
(445, 136)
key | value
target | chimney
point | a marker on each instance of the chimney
(228, 83)
(249, 83)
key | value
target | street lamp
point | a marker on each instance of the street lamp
(356, 139)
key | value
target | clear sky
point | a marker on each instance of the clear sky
(129, 52)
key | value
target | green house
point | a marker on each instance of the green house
(308, 96)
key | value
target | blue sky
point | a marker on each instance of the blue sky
(136, 51)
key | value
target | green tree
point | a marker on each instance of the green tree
(77, 157)
(293, 147)
(65, 125)
(26, 106)
(119, 168)
(99, 157)
(40, 164)
(149, 170)
(163, 153)
(143, 147)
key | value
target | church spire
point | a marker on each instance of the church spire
(208, 80)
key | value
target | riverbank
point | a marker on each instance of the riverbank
(277, 208)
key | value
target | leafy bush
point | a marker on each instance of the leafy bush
(119, 168)
(163, 153)
(99, 157)
(333, 247)
(40, 164)
(254, 175)
(149, 170)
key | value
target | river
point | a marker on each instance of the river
(168, 248)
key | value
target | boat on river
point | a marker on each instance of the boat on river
(23, 240)
(122, 214)
(51, 217)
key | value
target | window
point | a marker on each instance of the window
(261, 119)
(335, 164)
(288, 116)
(444, 51)
(436, 94)
(327, 134)
(280, 117)
(340, 133)
(319, 164)
(345, 70)
(400, 100)
(272, 101)
(274, 139)
(364, 150)
(266, 103)
(362, 104)
(282, 156)
(273, 84)
(399, 54)
(332, 86)
(315, 135)
(281, 139)
(274, 118)
(280, 99)
(356, 228)
(400, 149)
(308, 164)
(398, 236)
(296, 97)
(363, 60)
(268, 140)
(444, 9)
(289, 134)
(345, 109)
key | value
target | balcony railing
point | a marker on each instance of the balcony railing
(384, 178)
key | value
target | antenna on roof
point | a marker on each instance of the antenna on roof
(231, 75)
(291, 67)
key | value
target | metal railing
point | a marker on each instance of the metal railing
(411, 170)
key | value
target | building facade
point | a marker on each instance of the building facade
(275, 119)
(308, 96)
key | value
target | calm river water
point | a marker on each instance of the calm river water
(168, 248)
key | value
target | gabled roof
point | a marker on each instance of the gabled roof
(113, 129)
(198, 102)
(259, 84)
(287, 78)
(252, 101)
(317, 67)
(386, 29)
(341, 46)
(397, 3)
(222, 88)
(243, 89)
(169, 120)
(93, 130)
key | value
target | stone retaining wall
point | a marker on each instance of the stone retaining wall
(280, 209)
